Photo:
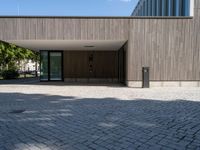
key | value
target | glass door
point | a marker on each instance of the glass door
(44, 61)
(55, 66)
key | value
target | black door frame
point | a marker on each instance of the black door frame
(49, 69)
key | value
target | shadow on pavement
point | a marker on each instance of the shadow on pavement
(63, 122)
(36, 81)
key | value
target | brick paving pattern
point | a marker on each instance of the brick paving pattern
(72, 117)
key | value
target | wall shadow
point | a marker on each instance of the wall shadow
(36, 81)
(64, 122)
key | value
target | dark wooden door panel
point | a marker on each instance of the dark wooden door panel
(90, 64)
(75, 64)
(105, 64)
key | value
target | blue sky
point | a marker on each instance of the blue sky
(68, 7)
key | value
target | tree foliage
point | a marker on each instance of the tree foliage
(11, 54)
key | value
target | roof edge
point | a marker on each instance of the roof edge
(104, 17)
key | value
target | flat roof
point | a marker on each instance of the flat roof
(104, 17)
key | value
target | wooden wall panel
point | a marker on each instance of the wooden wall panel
(76, 64)
(105, 64)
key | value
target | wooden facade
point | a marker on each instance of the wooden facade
(63, 28)
(91, 64)
(170, 46)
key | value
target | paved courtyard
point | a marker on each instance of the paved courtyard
(110, 117)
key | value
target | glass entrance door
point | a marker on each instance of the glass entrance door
(44, 61)
(51, 65)
(55, 66)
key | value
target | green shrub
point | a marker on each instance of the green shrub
(10, 74)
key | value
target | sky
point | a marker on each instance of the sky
(67, 7)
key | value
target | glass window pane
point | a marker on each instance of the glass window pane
(149, 7)
(155, 6)
(177, 8)
(44, 66)
(169, 8)
(159, 7)
(164, 8)
(186, 7)
(55, 66)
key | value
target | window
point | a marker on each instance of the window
(176, 7)
(170, 8)
(44, 66)
(164, 7)
(144, 9)
(186, 7)
(158, 9)
(147, 9)
(150, 7)
(154, 7)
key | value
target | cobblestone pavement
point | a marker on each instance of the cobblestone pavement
(20, 80)
(109, 117)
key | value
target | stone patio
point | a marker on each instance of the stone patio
(58, 116)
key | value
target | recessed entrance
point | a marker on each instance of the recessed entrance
(80, 60)
(83, 66)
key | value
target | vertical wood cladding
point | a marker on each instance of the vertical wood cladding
(104, 64)
(63, 28)
(170, 47)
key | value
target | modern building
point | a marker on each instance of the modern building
(115, 49)
(164, 8)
